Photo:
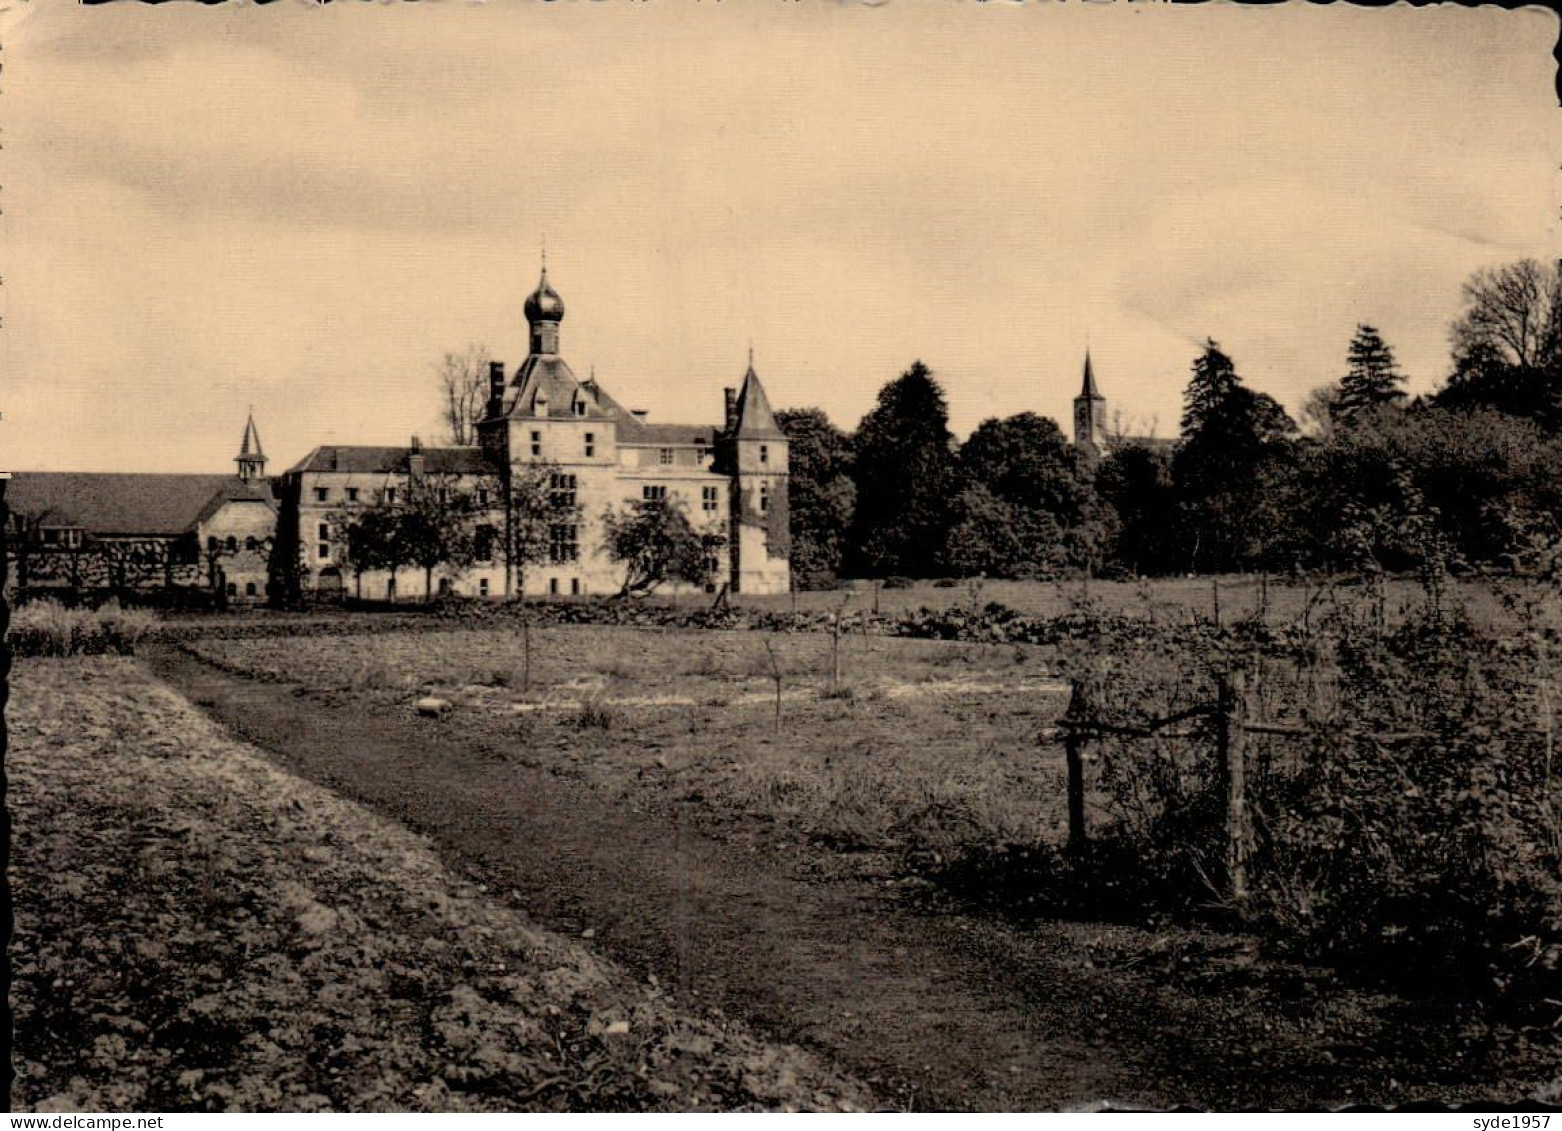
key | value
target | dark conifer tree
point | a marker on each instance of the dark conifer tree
(903, 456)
(1372, 381)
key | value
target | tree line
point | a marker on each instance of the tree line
(1372, 478)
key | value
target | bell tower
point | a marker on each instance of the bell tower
(251, 460)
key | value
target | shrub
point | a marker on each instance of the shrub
(47, 628)
(898, 583)
(594, 714)
(1415, 835)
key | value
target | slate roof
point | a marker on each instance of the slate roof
(128, 503)
(669, 435)
(756, 421)
(368, 460)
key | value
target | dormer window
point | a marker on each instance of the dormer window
(580, 408)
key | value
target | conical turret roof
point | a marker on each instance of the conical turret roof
(755, 419)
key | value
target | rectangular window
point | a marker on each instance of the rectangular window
(654, 492)
(709, 497)
(764, 453)
(665, 457)
(574, 587)
(764, 498)
(325, 531)
(536, 443)
(482, 496)
(563, 543)
(322, 494)
(553, 586)
(485, 538)
(324, 553)
(352, 494)
(482, 587)
(591, 444)
(249, 589)
(561, 487)
(701, 454)
(390, 496)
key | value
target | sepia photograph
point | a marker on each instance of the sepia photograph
(668, 556)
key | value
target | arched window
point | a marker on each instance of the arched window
(250, 544)
(232, 544)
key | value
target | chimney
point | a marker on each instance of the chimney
(495, 388)
(415, 459)
(732, 409)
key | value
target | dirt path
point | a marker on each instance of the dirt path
(942, 1012)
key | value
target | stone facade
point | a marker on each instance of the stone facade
(729, 480)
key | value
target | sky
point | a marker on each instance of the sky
(300, 208)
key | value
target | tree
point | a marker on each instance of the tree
(285, 570)
(463, 387)
(1227, 469)
(539, 497)
(1044, 496)
(437, 527)
(988, 538)
(1136, 482)
(364, 536)
(1507, 344)
(1514, 309)
(820, 494)
(904, 463)
(1210, 391)
(655, 543)
(1372, 380)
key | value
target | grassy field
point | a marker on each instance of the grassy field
(197, 930)
(920, 744)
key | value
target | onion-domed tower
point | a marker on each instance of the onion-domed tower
(544, 311)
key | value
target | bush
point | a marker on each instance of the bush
(898, 583)
(48, 628)
(1415, 836)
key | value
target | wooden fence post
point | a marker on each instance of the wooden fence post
(1073, 750)
(835, 652)
(1231, 748)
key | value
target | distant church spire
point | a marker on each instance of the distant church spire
(251, 459)
(1089, 389)
(1089, 413)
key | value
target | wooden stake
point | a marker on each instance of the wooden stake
(526, 656)
(1231, 740)
(775, 669)
(1073, 751)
